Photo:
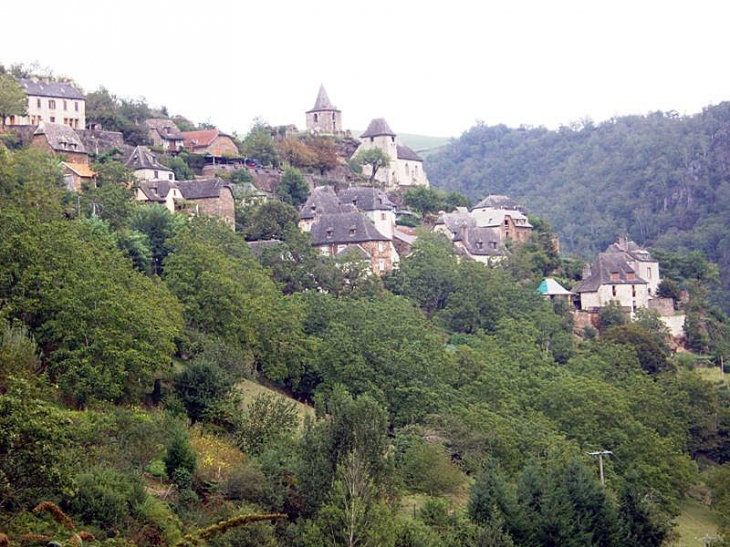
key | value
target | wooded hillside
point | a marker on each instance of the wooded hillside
(662, 178)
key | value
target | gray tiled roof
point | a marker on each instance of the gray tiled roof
(495, 201)
(355, 251)
(61, 137)
(366, 198)
(625, 245)
(201, 189)
(481, 241)
(56, 90)
(155, 190)
(166, 128)
(323, 101)
(602, 269)
(377, 128)
(344, 228)
(322, 200)
(406, 153)
(143, 158)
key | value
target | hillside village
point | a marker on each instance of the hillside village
(345, 214)
(293, 338)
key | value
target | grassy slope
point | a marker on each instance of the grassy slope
(251, 389)
(695, 521)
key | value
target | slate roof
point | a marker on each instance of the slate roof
(495, 217)
(378, 127)
(201, 189)
(322, 200)
(323, 102)
(344, 228)
(190, 189)
(166, 128)
(601, 270)
(550, 287)
(480, 241)
(258, 246)
(625, 245)
(366, 198)
(143, 158)
(61, 137)
(455, 220)
(58, 90)
(406, 153)
(495, 201)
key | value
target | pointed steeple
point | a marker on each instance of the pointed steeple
(378, 127)
(323, 101)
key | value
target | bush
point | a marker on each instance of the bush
(107, 498)
(427, 468)
(180, 456)
(200, 386)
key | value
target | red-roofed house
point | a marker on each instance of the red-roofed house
(210, 141)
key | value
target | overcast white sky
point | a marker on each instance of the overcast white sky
(431, 68)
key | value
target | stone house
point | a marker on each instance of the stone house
(612, 278)
(406, 166)
(641, 260)
(324, 118)
(146, 167)
(78, 176)
(483, 232)
(210, 197)
(210, 142)
(348, 224)
(51, 102)
(165, 134)
(340, 234)
(60, 140)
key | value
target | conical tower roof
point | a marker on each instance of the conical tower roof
(377, 128)
(323, 101)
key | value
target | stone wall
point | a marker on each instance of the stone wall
(222, 207)
(665, 306)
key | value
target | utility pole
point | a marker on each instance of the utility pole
(600, 454)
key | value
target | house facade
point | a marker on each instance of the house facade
(482, 233)
(165, 134)
(78, 176)
(209, 197)
(210, 142)
(406, 166)
(324, 118)
(51, 102)
(359, 222)
(60, 140)
(146, 167)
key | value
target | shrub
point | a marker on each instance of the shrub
(427, 468)
(180, 456)
(106, 498)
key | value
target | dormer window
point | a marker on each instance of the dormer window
(614, 276)
(480, 244)
(494, 244)
(352, 231)
(631, 276)
(330, 232)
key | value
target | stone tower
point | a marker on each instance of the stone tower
(324, 118)
(380, 135)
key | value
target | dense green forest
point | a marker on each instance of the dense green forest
(453, 405)
(662, 178)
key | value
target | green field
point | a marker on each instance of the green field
(251, 389)
(695, 521)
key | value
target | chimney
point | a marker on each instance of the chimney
(586, 270)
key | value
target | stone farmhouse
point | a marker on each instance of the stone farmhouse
(51, 102)
(624, 273)
(482, 233)
(165, 134)
(350, 225)
(210, 142)
(60, 140)
(146, 167)
(209, 197)
(324, 118)
(406, 167)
